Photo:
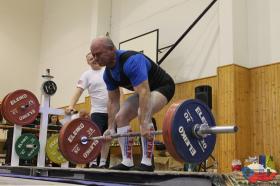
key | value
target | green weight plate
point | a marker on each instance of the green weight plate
(27, 146)
(52, 150)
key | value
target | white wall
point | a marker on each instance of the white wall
(20, 36)
(66, 36)
(196, 56)
(258, 32)
(240, 32)
(102, 17)
(274, 15)
(263, 32)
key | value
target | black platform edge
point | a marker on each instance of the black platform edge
(114, 176)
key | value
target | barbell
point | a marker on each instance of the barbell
(189, 133)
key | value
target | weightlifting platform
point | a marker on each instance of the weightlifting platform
(91, 176)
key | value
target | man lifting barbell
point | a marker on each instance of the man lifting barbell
(153, 88)
(189, 127)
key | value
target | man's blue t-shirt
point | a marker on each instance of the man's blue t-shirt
(136, 68)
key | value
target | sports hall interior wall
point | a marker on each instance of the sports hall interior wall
(248, 98)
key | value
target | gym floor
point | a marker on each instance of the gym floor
(19, 181)
(73, 176)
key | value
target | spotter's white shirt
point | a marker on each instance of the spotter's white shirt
(92, 80)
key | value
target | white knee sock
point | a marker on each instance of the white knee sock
(147, 148)
(126, 146)
(102, 162)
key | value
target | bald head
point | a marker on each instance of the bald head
(103, 41)
(103, 51)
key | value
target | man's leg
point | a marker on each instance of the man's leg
(158, 101)
(101, 120)
(127, 112)
(106, 146)
(104, 154)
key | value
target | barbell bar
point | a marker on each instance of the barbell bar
(200, 130)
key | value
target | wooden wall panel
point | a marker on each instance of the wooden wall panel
(225, 115)
(265, 111)
(242, 112)
(233, 109)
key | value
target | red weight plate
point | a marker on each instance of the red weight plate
(21, 107)
(70, 145)
(1, 117)
(2, 107)
(167, 130)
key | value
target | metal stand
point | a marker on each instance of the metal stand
(45, 110)
(16, 135)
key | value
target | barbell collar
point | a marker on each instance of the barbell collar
(219, 129)
(203, 130)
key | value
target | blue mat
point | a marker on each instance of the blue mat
(61, 180)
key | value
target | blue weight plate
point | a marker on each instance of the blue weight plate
(189, 147)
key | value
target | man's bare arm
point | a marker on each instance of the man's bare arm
(74, 99)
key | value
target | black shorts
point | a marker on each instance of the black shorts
(101, 120)
(166, 87)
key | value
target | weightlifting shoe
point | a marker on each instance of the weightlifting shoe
(120, 167)
(143, 167)
(102, 167)
(94, 166)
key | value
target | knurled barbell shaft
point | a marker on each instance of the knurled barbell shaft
(202, 131)
(130, 134)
